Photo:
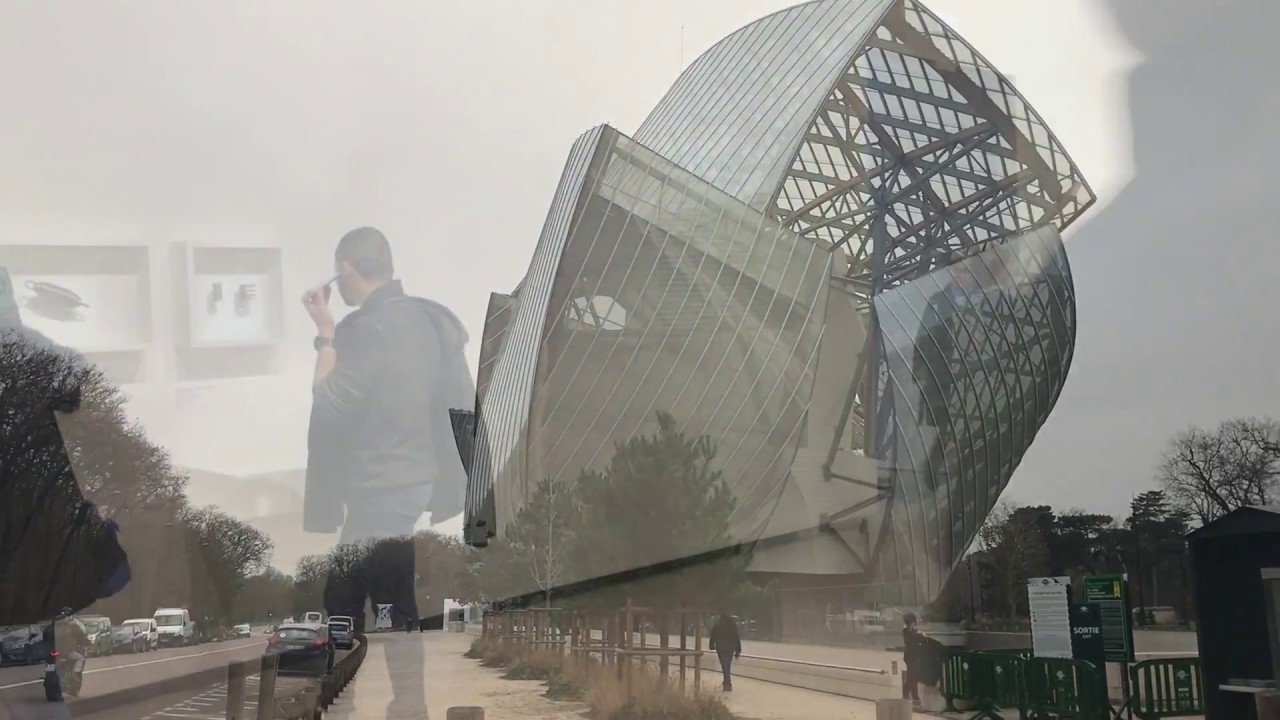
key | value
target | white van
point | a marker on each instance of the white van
(147, 630)
(313, 618)
(174, 627)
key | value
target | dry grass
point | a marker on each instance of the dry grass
(600, 687)
(650, 698)
(479, 648)
(536, 665)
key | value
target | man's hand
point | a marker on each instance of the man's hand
(316, 301)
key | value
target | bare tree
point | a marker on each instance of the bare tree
(539, 536)
(1210, 473)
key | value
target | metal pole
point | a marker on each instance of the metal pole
(267, 687)
(235, 691)
(1142, 599)
(972, 608)
(311, 702)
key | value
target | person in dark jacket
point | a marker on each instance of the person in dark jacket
(380, 447)
(726, 643)
(913, 656)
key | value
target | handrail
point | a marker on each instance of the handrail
(850, 668)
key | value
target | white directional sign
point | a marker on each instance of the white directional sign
(1049, 600)
(383, 621)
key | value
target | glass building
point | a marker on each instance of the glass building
(834, 247)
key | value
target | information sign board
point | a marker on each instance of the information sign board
(1111, 594)
(1049, 599)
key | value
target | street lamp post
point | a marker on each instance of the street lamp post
(972, 604)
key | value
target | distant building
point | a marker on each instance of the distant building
(833, 247)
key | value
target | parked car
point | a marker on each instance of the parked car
(98, 628)
(314, 617)
(342, 632)
(244, 631)
(126, 638)
(146, 628)
(24, 644)
(303, 648)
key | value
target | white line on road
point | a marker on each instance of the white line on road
(137, 664)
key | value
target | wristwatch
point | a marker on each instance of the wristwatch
(322, 342)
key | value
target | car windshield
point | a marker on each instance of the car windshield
(94, 624)
(124, 631)
(141, 625)
(296, 634)
(10, 635)
(343, 624)
(168, 620)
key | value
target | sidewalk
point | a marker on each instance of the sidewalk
(449, 680)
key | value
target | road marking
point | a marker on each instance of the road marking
(212, 703)
(138, 664)
(205, 705)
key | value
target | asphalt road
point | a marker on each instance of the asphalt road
(22, 692)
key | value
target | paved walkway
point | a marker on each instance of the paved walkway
(386, 689)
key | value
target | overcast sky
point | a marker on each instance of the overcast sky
(446, 124)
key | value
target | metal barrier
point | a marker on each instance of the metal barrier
(1064, 688)
(998, 683)
(1167, 688)
(1024, 653)
(957, 682)
(315, 699)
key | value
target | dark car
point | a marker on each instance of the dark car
(125, 638)
(344, 636)
(23, 645)
(303, 648)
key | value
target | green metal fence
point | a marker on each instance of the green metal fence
(957, 682)
(999, 684)
(1167, 688)
(1068, 689)
(1040, 688)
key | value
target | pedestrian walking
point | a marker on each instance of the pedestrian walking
(726, 643)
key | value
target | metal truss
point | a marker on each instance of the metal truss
(922, 154)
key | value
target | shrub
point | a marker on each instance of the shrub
(572, 680)
(650, 699)
(536, 665)
(479, 648)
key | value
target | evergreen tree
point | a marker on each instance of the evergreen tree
(654, 525)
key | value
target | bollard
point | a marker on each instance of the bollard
(311, 702)
(235, 691)
(464, 713)
(1268, 705)
(893, 710)
(267, 687)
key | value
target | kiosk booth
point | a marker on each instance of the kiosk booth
(1235, 561)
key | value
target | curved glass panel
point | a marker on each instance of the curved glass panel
(975, 355)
